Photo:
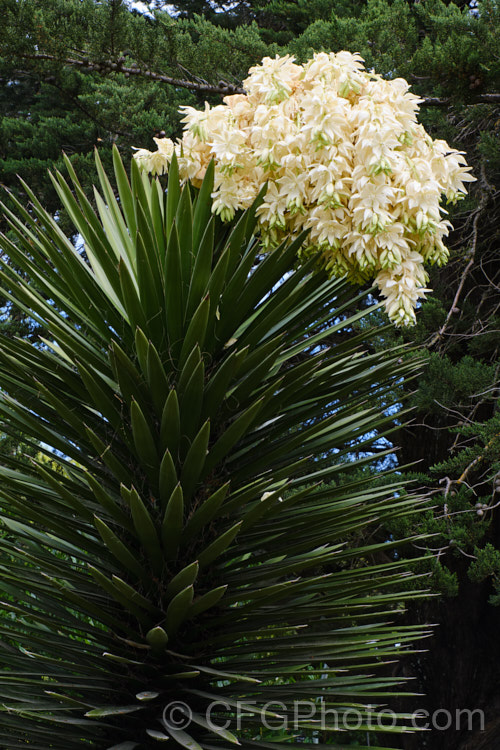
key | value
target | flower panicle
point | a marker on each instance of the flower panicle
(343, 156)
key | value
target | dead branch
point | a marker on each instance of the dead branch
(435, 101)
(117, 66)
(485, 196)
(223, 88)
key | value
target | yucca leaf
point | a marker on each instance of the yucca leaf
(217, 547)
(158, 214)
(173, 192)
(46, 539)
(195, 334)
(184, 675)
(178, 610)
(184, 225)
(124, 599)
(146, 531)
(185, 577)
(141, 347)
(202, 267)
(132, 387)
(102, 395)
(202, 216)
(98, 713)
(130, 297)
(155, 735)
(62, 409)
(145, 443)
(174, 298)
(146, 231)
(224, 675)
(225, 734)
(119, 550)
(216, 390)
(230, 294)
(215, 286)
(106, 455)
(95, 241)
(183, 739)
(206, 601)
(170, 428)
(157, 378)
(237, 242)
(125, 192)
(88, 607)
(192, 362)
(137, 185)
(229, 392)
(150, 292)
(134, 596)
(108, 503)
(205, 512)
(76, 273)
(268, 273)
(191, 399)
(119, 229)
(171, 530)
(233, 433)
(168, 478)
(71, 500)
(195, 460)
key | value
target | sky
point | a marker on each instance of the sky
(141, 7)
(145, 7)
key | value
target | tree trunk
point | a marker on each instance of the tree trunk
(460, 672)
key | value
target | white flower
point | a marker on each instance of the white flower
(155, 162)
(274, 80)
(343, 156)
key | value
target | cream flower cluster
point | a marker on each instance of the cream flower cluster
(343, 156)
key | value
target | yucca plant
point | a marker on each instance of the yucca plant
(184, 539)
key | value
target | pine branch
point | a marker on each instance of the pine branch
(116, 66)
(76, 101)
(222, 88)
(435, 101)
